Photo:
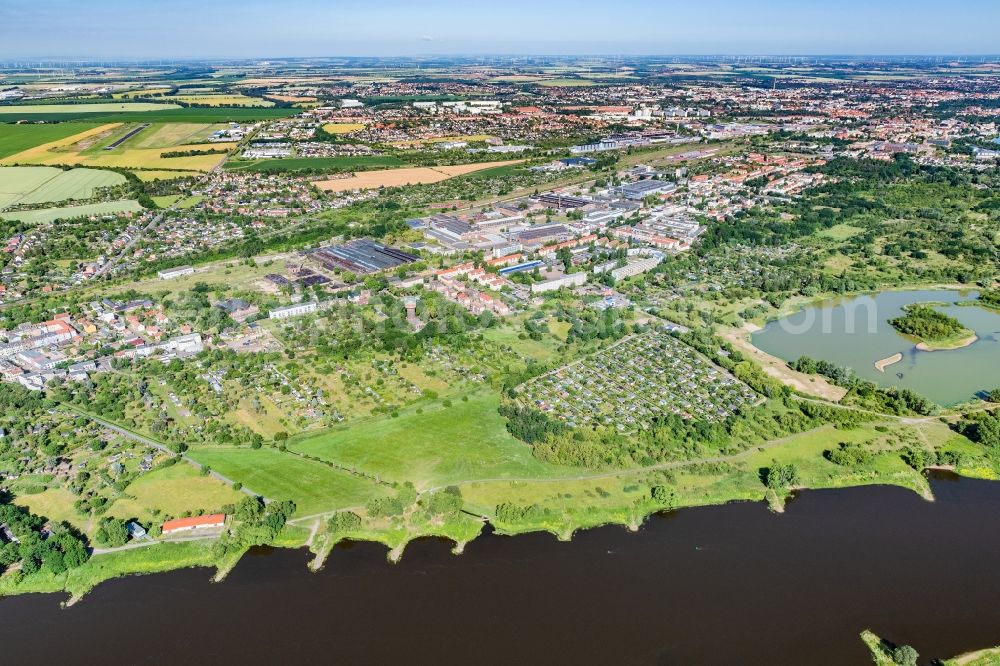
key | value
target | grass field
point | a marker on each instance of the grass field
(173, 490)
(407, 176)
(342, 128)
(35, 185)
(150, 176)
(840, 232)
(313, 486)
(46, 215)
(496, 172)
(177, 201)
(317, 163)
(231, 273)
(17, 138)
(171, 135)
(25, 111)
(54, 504)
(444, 444)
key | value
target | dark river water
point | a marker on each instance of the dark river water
(733, 584)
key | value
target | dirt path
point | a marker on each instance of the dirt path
(312, 533)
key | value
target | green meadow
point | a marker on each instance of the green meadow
(45, 215)
(314, 486)
(442, 445)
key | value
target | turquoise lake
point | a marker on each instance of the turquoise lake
(855, 332)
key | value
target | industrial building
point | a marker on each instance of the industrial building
(362, 256)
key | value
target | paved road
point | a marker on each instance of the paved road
(100, 272)
(163, 447)
(145, 543)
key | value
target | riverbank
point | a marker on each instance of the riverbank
(809, 384)
(743, 486)
(882, 652)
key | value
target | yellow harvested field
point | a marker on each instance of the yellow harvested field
(222, 100)
(139, 93)
(370, 180)
(138, 158)
(342, 128)
(413, 143)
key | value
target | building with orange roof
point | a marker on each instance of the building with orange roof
(214, 521)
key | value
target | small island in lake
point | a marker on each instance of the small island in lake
(933, 330)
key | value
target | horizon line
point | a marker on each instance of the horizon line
(6, 59)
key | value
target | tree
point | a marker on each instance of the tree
(112, 533)
(994, 395)
(781, 476)
(905, 655)
(663, 495)
(344, 521)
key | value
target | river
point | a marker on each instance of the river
(731, 584)
(855, 332)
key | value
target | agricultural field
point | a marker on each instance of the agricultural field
(407, 176)
(342, 128)
(26, 111)
(36, 185)
(464, 441)
(566, 83)
(17, 138)
(222, 100)
(294, 99)
(634, 381)
(119, 145)
(38, 151)
(144, 92)
(46, 215)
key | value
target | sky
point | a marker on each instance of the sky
(151, 29)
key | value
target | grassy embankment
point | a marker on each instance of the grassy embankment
(883, 654)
